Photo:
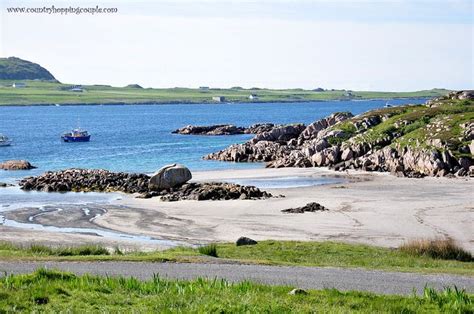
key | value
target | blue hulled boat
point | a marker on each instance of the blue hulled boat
(76, 135)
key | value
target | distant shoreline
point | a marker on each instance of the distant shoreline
(206, 102)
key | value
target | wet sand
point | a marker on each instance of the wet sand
(369, 208)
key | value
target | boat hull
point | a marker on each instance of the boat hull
(5, 144)
(70, 139)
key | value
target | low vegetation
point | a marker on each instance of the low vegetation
(53, 291)
(445, 249)
(324, 254)
(51, 92)
(415, 125)
(44, 250)
(210, 250)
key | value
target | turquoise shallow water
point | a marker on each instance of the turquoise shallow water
(138, 138)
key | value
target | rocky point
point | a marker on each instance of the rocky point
(432, 139)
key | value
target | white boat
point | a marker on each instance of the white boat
(5, 141)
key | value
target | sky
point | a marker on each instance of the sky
(396, 45)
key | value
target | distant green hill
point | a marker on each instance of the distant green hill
(13, 68)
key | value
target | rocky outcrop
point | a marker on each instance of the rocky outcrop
(209, 191)
(280, 134)
(455, 95)
(310, 207)
(224, 129)
(259, 128)
(220, 129)
(435, 139)
(249, 152)
(312, 131)
(85, 180)
(284, 146)
(169, 176)
(16, 165)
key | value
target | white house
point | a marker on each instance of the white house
(253, 97)
(76, 88)
(218, 98)
(18, 85)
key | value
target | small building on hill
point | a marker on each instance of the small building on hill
(18, 85)
(76, 88)
(253, 97)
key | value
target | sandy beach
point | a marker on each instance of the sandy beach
(371, 208)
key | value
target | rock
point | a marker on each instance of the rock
(259, 128)
(310, 207)
(5, 185)
(245, 241)
(298, 291)
(219, 129)
(280, 134)
(87, 180)
(347, 154)
(357, 145)
(312, 131)
(249, 152)
(214, 191)
(169, 176)
(224, 129)
(467, 94)
(16, 165)
(465, 163)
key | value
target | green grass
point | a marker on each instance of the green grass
(445, 249)
(324, 254)
(84, 250)
(210, 250)
(413, 126)
(52, 291)
(48, 92)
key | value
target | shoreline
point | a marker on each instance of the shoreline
(148, 103)
(376, 209)
(368, 208)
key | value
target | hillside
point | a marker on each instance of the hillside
(13, 68)
(52, 92)
(433, 139)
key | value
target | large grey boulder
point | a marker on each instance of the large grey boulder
(169, 176)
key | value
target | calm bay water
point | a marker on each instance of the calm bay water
(138, 138)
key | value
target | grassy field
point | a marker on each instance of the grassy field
(330, 254)
(48, 92)
(414, 126)
(52, 291)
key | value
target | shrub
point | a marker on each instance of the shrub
(210, 250)
(437, 248)
(457, 300)
(68, 251)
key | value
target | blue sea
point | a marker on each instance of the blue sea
(138, 138)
